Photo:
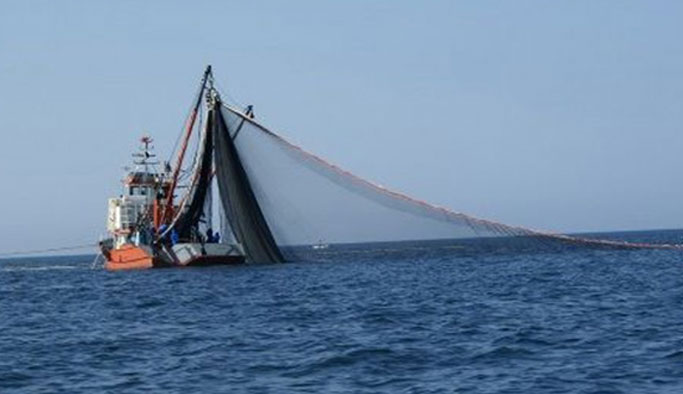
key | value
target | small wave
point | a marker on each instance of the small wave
(14, 379)
(503, 352)
(341, 360)
(678, 355)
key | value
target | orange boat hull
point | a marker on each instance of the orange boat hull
(129, 257)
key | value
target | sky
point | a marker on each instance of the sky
(562, 115)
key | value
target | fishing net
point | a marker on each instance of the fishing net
(238, 199)
(306, 200)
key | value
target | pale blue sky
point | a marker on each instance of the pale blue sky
(561, 115)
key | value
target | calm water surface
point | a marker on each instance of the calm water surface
(409, 318)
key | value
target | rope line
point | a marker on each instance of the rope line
(41, 251)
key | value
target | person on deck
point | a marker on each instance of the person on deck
(174, 237)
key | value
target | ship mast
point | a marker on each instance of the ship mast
(168, 206)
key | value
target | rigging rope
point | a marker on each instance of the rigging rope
(48, 250)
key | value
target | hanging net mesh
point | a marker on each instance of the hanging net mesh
(308, 201)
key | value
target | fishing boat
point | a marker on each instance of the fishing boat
(151, 227)
(134, 221)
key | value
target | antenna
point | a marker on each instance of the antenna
(145, 157)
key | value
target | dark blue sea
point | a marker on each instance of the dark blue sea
(425, 317)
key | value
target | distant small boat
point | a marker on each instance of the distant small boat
(320, 246)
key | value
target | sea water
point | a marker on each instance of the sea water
(381, 318)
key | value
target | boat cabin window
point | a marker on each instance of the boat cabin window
(137, 191)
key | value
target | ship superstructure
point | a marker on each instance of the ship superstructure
(132, 216)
